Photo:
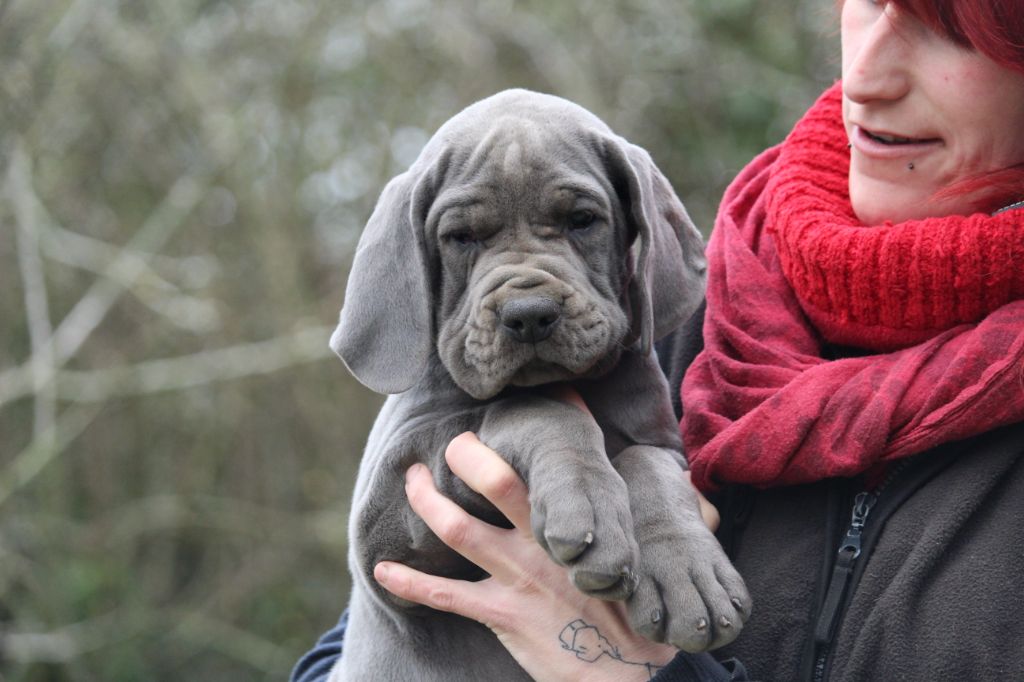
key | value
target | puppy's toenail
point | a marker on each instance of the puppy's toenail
(630, 579)
(724, 622)
(738, 604)
(655, 615)
(589, 539)
(702, 624)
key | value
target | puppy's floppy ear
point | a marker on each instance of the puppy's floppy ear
(668, 251)
(384, 335)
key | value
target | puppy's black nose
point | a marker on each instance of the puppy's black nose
(530, 319)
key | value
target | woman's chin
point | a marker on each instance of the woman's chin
(876, 202)
(870, 214)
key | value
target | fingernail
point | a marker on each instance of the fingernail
(381, 573)
(412, 471)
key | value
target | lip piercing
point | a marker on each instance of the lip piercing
(910, 166)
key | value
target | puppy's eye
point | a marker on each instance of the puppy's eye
(581, 219)
(461, 237)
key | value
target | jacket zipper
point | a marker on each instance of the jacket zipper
(842, 573)
(846, 558)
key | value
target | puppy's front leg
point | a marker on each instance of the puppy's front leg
(689, 594)
(580, 510)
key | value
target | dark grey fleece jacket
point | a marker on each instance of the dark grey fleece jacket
(937, 591)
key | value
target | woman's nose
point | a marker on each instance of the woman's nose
(876, 59)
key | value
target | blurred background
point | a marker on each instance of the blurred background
(182, 184)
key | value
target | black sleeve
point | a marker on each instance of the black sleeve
(677, 350)
(700, 668)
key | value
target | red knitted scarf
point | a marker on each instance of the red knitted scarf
(791, 270)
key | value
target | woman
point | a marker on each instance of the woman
(862, 379)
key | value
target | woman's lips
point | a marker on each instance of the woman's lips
(868, 143)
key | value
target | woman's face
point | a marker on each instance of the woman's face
(921, 113)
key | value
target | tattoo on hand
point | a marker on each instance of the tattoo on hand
(587, 642)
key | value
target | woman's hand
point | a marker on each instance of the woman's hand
(552, 629)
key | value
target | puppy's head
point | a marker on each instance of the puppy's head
(527, 244)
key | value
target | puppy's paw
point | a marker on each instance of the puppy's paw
(585, 524)
(689, 595)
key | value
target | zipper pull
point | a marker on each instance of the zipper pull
(849, 550)
(861, 508)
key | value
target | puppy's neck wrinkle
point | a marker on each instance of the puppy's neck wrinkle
(437, 384)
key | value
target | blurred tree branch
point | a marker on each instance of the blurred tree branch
(152, 289)
(244, 646)
(171, 374)
(69, 642)
(37, 309)
(125, 269)
(44, 449)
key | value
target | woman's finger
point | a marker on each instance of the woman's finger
(483, 544)
(461, 597)
(568, 394)
(483, 470)
(708, 511)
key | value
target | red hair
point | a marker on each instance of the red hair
(994, 28)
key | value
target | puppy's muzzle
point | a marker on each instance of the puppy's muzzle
(530, 319)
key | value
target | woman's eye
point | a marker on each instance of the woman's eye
(581, 220)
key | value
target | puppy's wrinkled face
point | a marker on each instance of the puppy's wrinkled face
(532, 246)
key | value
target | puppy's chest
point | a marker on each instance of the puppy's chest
(620, 434)
(624, 420)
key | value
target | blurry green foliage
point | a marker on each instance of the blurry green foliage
(181, 187)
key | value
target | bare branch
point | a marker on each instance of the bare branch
(171, 513)
(93, 307)
(45, 647)
(234, 517)
(244, 646)
(161, 296)
(69, 642)
(37, 308)
(198, 369)
(94, 255)
(33, 459)
(73, 21)
(173, 374)
(87, 314)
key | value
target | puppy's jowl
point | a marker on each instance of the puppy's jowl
(528, 244)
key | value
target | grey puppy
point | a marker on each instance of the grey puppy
(527, 245)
